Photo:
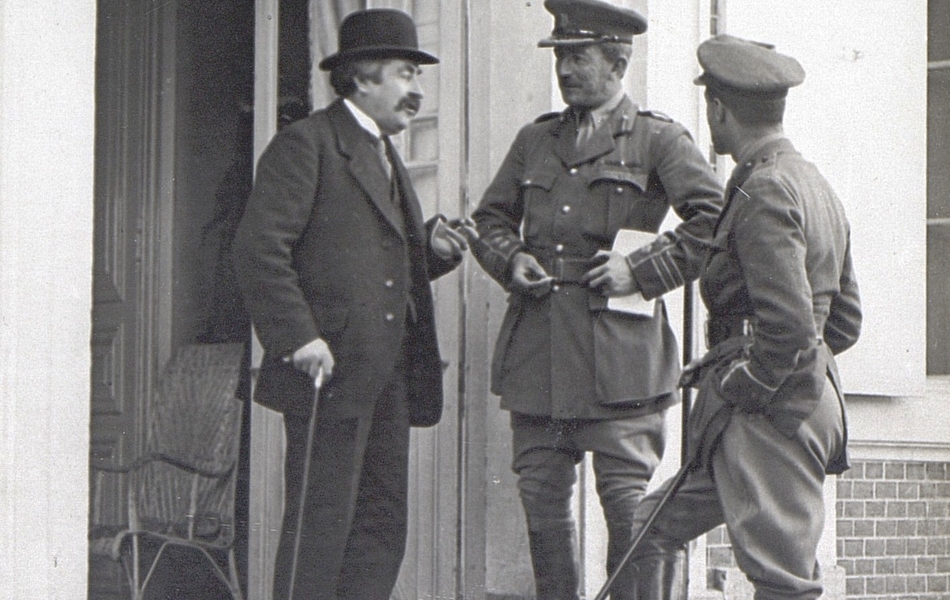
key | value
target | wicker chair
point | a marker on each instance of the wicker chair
(181, 492)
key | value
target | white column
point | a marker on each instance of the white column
(266, 501)
(47, 54)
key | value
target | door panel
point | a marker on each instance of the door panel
(127, 265)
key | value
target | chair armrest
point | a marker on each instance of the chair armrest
(170, 460)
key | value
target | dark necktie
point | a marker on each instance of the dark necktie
(585, 129)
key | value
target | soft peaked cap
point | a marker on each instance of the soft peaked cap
(747, 68)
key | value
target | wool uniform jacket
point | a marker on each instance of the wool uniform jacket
(565, 355)
(781, 259)
(322, 251)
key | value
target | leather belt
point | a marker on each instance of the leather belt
(567, 270)
(720, 328)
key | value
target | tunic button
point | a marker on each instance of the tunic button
(555, 287)
(527, 182)
(566, 209)
(559, 248)
(389, 283)
(390, 316)
(619, 190)
(573, 171)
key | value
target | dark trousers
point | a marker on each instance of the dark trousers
(355, 514)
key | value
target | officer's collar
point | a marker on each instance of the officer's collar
(619, 109)
(758, 148)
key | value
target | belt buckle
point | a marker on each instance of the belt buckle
(747, 327)
(558, 269)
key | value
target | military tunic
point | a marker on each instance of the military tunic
(783, 299)
(781, 259)
(564, 355)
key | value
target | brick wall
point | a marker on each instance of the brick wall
(893, 528)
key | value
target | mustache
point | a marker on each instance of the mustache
(410, 102)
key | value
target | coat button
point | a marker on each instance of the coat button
(390, 316)
(619, 189)
(389, 283)
(566, 209)
(572, 171)
(559, 248)
(555, 287)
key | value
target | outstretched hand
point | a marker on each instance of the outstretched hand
(451, 239)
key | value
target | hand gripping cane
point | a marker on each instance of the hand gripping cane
(685, 460)
(305, 481)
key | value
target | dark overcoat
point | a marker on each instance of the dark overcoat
(564, 355)
(323, 252)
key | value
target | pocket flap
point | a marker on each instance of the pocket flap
(539, 179)
(621, 175)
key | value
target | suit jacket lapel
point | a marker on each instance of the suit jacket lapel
(355, 145)
(414, 219)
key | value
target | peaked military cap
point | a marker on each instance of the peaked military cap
(746, 68)
(579, 22)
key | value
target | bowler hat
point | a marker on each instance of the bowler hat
(578, 22)
(377, 33)
(746, 68)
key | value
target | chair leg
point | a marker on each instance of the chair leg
(137, 592)
(235, 584)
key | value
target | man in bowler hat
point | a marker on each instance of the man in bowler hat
(576, 376)
(334, 260)
(780, 290)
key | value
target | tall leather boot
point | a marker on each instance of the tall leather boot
(555, 566)
(653, 577)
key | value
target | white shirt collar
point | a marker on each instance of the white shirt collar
(365, 121)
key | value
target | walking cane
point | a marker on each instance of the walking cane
(304, 483)
(684, 450)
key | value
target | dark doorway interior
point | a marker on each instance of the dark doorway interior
(175, 98)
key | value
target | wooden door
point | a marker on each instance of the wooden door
(130, 218)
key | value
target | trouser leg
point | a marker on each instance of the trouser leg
(626, 453)
(377, 541)
(771, 490)
(546, 476)
(329, 504)
(354, 514)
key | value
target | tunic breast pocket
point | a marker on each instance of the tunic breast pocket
(535, 192)
(623, 191)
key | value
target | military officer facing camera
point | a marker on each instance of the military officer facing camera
(575, 376)
(782, 300)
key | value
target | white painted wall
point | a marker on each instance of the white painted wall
(46, 200)
(861, 117)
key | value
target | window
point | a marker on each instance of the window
(938, 190)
